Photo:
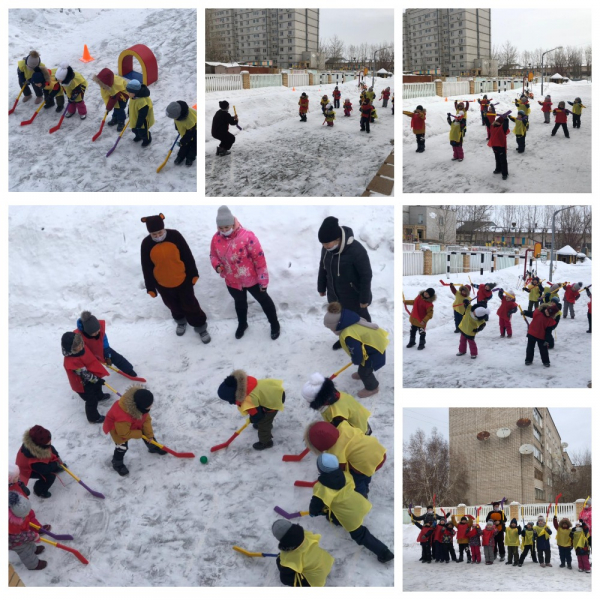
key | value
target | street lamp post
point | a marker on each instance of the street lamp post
(553, 226)
(544, 54)
(373, 65)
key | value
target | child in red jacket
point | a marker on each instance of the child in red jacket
(466, 521)
(506, 310)
(473, 534)
(85, 374)
(542, 318)
(366, 110)
(424, 538)
(571, 296)
(483, 107)
(546, 108)
(561, 113)
(21, 537)
(347, 107)
(417, 122)
(489, 117)
(498, 132)
(589, 313)
(448, 543)
(421, 313)
(484, 292)
(488, 539)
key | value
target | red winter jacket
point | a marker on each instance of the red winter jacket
(96, 346)
(483, 294)
(420, 309)
(487, 537)
(422, 539)
(337, 94)
(385, 94)
(366, 110)
(539, 324)
(417, 122)
(590, 307)
(24, 463)
(497, 137)
(506, 305)
(546, 106)
(87, 360)
(570, 295)
(561, 115)
(116, 414)
(437, 533)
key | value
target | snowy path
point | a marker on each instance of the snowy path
(501, 361)
(172, 522)
(68, 160)
(498, 577)
(549, 164)
(277, 155)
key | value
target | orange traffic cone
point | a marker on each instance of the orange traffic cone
(446, 100)
(293, 89)
(194, 107)
(86, 58)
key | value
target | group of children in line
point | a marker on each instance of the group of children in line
(368, 113)
(545, 311)
(122, 97)
(497, 125)
(348, 455)
(514, 543)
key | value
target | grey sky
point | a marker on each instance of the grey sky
(358, 26)
(574, 424)
(547, 28)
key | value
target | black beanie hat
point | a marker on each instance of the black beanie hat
(154, 223)
(66, 342)
(420, 107)
(89, 322)
(329, 230)
(228, 389)
(431, 292)
(37, 77)
(224, 104)
(143, 400)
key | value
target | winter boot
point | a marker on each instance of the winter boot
(356, 376)
(411, 340)
(367, 393)
(421, 342)
(39, 549)
(457, 330)
(113, 121)
(460, 353)
(82, 117)
(386, 556)
(275, 331)
(137, 138)
(154, 449)
(204, 335)
(69, 115)
(148, 141)
(39, 100)
(27, 98)
(105, 397)
(119, 467)
(179, 160)
(225, 152)
(239, 332)
(189, 161)
(99, 420)
(41, 565)
(60, 108)
(120, 126)
(261, 446)
(337, 345)
(181, 325)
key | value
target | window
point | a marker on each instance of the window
(538, 417)
(441, 221)
(536, 434)
(538, 474)
(538, 455)
(420, 219)
(539, 494)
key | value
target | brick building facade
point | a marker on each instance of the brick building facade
(495, 467)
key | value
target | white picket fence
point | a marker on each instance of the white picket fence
(297, 79)
(412, 263)
(483, 87)
(417, 90)
(455, 88)
(222, 83)
(265, 80)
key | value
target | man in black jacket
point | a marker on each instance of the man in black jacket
(344, 270)
(220, 128)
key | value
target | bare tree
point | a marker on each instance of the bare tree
(574, 61)
(526, 58)
(508, 217)
(215, 49)
(508, 55)
(576, 482)
(572, 225)
(559, 61)
(588, 59)
(336, 47)
(495, 53)
(536, 57)
(429, 469)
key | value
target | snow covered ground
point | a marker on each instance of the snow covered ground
(463, 577)
(276, 154)
(549, 164)
(68, 160)
(501, 361)
(173, 522)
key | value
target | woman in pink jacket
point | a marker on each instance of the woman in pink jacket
(235, 254)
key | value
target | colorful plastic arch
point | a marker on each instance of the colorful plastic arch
(147, 61)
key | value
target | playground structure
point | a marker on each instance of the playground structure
(147, 61)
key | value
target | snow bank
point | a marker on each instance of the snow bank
(452, 577)
(172, 522)
(67, 160)
(277, 155)
(501, 361)
(549, 164)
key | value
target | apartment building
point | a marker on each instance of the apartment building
(433, 223)
(274, 37)
(448, 42)
(495, 466)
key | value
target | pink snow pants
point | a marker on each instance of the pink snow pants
(475, 554)
(462, 346)
(81, 108)
(458, 152)
(583, 562)
(505, 326)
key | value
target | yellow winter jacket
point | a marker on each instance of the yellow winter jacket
(376, 338)
(349, 409)
(363, 453)
(27, 72)
(349, 507)
(469, 324)
(553, 294)
(309, 561)
(458, 305)
(119, 85)
(523, 107)
(520, 128)
(455, 134)
(135, 104)
(534, 293)
(577, 108)
(563, 537)
(580, 540)
(527, 539)
(541, 531)
(78, 80)
(188, 123)
(268, 393)
(511, 536)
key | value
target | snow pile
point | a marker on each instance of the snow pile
(451, 577)
(501, 361)
(173, 522)
(276, 154)
(68, 160)
(549, 164)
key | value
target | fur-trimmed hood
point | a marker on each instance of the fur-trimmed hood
(326, 396)
(35, 449)
(127, 402)
(563, 522)
(241, 378)
(430, 299)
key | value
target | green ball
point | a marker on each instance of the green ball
(203, 460)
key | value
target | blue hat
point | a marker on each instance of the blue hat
(228, 389)
(37, 77)
(134, 85)
(326, 463)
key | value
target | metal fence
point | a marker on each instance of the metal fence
(222, 83)
(412, 263)
(408, 247)
(297, 79)
(266, 80)
(504, 261)
(417, 90)
(455, 88)
(482, 87)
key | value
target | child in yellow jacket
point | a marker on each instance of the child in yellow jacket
(141, 112)
(74, 86)
(577, 108)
